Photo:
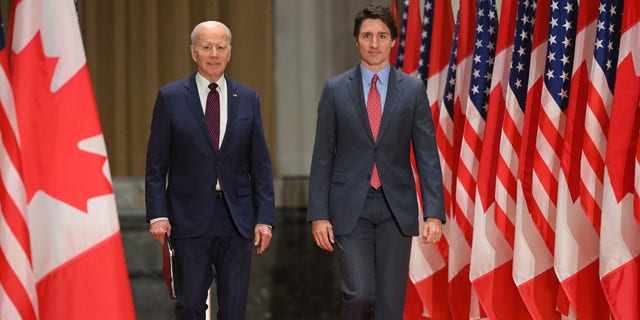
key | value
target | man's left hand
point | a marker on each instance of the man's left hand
(262, 237)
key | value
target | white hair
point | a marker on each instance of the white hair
(208, 24)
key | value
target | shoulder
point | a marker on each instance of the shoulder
(343, 81)
(239, 88)
(179, 85)
(348, 75)
(405, 79)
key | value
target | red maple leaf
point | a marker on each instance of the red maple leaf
(51, 125)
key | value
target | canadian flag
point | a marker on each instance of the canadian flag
(620, 230)
(61, 251)
(428, 265)
(493, 235)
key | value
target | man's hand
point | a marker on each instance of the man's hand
(262, 237)
(432, 230)
(159, 228)
(323, 234)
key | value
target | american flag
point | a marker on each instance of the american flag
(428, 265)
(546, 138)
(550, 160)
(425, 43)
(492, 250)
(619, 253)
(18, 297)
(582, 59)
(459, 289)
(580, 195)
(517, 148)
(476, 111)
(467, 141)
(409, 40)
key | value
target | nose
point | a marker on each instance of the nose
(374, 42)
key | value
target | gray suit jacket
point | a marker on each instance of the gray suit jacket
(344, 153)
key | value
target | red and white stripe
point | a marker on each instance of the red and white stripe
(580, 183)
(18, 296)
(428, 264)
(535, 204)
(424, 258)
(467, 142)
(493, 236)
(567, 248)
(620, 229)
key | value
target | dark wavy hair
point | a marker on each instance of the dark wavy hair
(376, 11)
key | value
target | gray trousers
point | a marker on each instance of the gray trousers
(374, 264)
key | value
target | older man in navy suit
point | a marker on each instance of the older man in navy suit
(208, 179)
(362, 194)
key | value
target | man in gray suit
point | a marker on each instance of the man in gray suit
(362, 194)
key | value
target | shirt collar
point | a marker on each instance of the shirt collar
(383, 75)
(203, 84)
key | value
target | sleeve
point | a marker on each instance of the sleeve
(322, 158)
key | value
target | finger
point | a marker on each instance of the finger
(265, 240)
(429, 236)
(318, 239)
(159, 238)
(256, 237)
(327, 240)
(321, 241)
(264, 244)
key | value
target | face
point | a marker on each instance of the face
(375, 43)
(211, 51)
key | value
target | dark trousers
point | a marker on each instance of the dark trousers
(374, 264)
(225, 249)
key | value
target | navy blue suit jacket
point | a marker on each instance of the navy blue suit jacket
(182, 164)
(344, 153)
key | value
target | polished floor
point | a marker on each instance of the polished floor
(292, 280)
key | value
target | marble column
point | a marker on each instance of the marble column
(313, 41)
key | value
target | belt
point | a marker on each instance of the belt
(219, 194)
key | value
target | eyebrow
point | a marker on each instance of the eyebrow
(369, 32)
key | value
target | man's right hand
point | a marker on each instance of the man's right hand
(159, 228)
(323, 234)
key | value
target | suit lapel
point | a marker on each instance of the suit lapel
(394, 92)
(195, 106)
(232, 112)
(354, 86)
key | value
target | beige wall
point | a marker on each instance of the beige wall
(135, 47)
(284, 49)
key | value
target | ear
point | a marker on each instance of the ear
(194, 55)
